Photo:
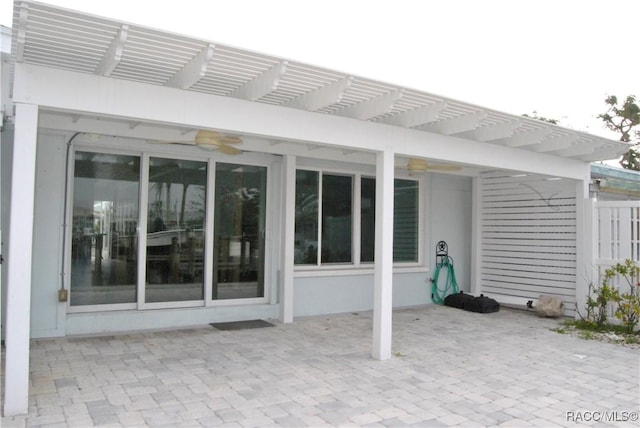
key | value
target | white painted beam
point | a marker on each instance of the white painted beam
(456, 125)
(324, 96)
(417, 116)
(373, 107)
(287, 247)
(262, 84)
(106, 97)
(112, 57)
(18, 295)
(194, 70)
(383, 276)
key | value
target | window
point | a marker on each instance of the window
(336, 218)
(335, 221)
(334, 228)
(405, 220)
(306, 228)
(367, 219)
(337, 225)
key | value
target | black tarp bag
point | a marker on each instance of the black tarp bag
(482, 305)
(458, 300)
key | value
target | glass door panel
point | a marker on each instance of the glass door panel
(240, 208)
(105, 218)
(175, 230)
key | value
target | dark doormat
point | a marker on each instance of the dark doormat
(241, 325)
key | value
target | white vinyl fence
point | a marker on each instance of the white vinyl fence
(618, 232)
(616, 239)
(616, 235)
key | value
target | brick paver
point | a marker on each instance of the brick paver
(449, 368)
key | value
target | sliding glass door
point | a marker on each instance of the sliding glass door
(104, 244)
(176, 212)
(240, 201)
(178, 202)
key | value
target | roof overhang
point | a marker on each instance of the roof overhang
(53, 37)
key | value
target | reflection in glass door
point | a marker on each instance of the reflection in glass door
(240, 208)
(175, 230)
(103, 238)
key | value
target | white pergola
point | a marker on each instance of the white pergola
(51, 37)
(78, 72)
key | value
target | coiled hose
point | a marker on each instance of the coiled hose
(449, 284)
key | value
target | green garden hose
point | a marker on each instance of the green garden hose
(450, 285)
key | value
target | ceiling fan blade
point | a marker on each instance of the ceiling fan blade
(444, 167)
(184, 142)
(420, 166)
(210, 140)
(229, 150)
(230, 139)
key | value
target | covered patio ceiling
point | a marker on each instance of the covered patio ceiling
(49, 36)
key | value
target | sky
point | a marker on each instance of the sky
(559, 58)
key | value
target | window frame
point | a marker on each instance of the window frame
(357, 266)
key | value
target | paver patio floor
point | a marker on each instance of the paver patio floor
(449, 368)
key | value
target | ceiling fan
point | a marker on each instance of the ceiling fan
(212, 140)
(417, 166)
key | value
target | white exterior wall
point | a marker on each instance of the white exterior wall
(320, 295)
(47, 315)
(450, 219)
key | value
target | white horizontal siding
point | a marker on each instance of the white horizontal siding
(528, 238)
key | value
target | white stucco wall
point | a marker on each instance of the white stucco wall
(47, 314)
(319, 295)
(450, 221)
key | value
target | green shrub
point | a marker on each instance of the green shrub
(627, 303)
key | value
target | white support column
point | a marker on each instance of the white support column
(586, 270)
(476, 236)
(383, 293)
(287, 251)
(16, 370)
